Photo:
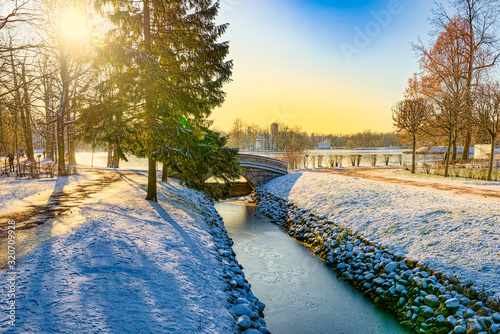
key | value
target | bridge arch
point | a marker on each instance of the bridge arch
(259, 170)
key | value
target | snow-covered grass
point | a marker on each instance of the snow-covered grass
(454, 235)
(132, 267)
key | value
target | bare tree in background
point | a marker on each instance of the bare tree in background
(481, 49)
(487, 115)
(12, 12)
(409, 115)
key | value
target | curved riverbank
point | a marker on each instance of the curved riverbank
(128, 266)
(422, 296)
(301, 294)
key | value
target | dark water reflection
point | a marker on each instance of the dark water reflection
(301, 294)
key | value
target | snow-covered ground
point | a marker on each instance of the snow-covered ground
(455, 235)
(132, 267)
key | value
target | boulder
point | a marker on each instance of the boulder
(426, 311)
(452, 304)
(432, 301)
(251, 331)
(473, 326)
(244, 322)
(391, 267)
(243, 309)
(451, 321)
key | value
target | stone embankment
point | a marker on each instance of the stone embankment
(422, 299)
(246, 308)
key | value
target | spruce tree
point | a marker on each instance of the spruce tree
(170, 66)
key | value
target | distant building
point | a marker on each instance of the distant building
(265, 143)
(326, 145)
(483, 152)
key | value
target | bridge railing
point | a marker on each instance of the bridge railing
(258, 159)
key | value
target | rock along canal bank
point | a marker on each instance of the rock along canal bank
(301, 294)
(423, 300)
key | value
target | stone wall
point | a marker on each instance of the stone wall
(421, 299)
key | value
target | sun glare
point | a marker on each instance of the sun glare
(73, 24)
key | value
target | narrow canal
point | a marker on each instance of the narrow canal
(301, 294)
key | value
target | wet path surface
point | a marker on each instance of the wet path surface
(301, 294)
(38, 223)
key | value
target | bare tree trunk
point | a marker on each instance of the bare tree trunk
(467, 144)
(61, 164)
(454, 152)
(448, 156)
(492, 156)
(26, 117)
(413, 152)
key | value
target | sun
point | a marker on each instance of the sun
(74, 25)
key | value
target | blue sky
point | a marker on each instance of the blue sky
(328, 66)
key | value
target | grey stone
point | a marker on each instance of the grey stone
(242, 301)
(391, 267)
(468, 313)
(264, 330)
(459, 330)
(486, 322)
(451, 321)
(496, 317)
(473, 326)
(369, 276)
(243, 309)
(423, 274)
(432, 301)
(401, 289)
(452, 304)
(244, 322)
(251, 331)
(484, 312)
(495, 329)
(426, 311)
(440, 320)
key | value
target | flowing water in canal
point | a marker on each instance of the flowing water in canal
(301, 294)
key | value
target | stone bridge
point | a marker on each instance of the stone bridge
(259, 170)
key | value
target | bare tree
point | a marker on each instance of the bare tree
(481, 47)
(409, 116)
(444, 82)
(487, 115)
(12, 12)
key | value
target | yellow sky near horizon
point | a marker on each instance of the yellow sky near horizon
(289, 66)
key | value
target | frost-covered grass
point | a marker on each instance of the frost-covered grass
(455, 235)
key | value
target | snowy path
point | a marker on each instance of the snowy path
(458, 187)
(131, 267)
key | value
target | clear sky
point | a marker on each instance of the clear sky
(330, 66)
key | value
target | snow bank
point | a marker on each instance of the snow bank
(132, 267)
(453, 235)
